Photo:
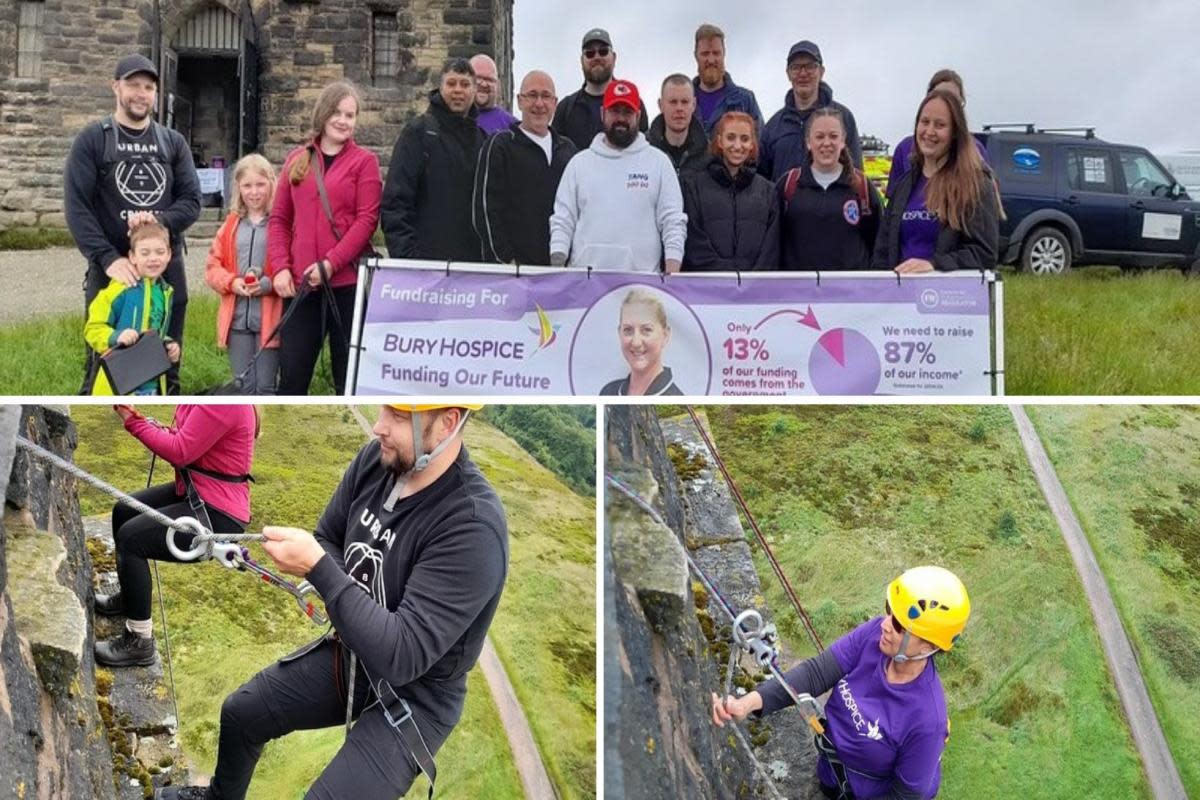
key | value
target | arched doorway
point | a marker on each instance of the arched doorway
(210, 83)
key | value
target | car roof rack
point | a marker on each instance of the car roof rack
(1025, 126)
(1088, 132)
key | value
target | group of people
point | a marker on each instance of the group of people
(410, 558)
(586, 181)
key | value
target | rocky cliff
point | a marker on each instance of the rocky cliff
(666, 641)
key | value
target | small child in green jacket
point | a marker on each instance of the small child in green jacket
(120, 313)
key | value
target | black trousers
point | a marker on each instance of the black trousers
(139, 538)
(301, 339)
(94, 282)
(301, 692)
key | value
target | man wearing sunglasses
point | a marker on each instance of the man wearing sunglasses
(578, 115)
(782, 146)
(885, 723)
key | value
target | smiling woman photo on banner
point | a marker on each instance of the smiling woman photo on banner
(644, 333)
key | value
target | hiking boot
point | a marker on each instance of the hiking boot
(110, 605)
(182, 793)
(126, 650)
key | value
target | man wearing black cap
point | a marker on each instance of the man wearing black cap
(782, 146)
(578, 114)
(124, 171)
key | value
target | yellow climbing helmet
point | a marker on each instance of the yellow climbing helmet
(930, 602)
(410, 407)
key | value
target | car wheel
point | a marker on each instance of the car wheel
(1046, 252)
(1194, 270)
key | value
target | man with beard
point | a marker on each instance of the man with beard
(782, 145)
(124, 171)
(493, 117)
(426, 208)
(578, 115)
(716, 93)
(517, 175)
(619, 205)
(677, 131)
(410, 558)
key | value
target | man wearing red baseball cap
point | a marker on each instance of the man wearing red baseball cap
(618, 204)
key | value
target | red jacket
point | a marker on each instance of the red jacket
(218, 438)
(220, 270)
(299, 233)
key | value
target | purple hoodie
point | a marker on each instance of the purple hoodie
(494, 120)
(894, 731)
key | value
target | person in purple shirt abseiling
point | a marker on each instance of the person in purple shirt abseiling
(885, 720)
(952, 82)
(493, 117)
(944, 213)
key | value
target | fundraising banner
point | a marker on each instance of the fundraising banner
(425, 329)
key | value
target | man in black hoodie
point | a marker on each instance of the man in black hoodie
(410, 557)
(677, 131)
(578, 115)
(123, 171)
(426, 208)
(517, 177)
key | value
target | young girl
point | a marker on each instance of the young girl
(237, 264)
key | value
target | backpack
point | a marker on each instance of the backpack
(792, 180)
(162, 138)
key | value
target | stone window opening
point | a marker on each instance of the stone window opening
(30, 38)
(385, 47)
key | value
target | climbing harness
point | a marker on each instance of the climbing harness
(205, 542)
(760, 640)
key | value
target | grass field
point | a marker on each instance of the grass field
(1134, 480)
(850, 497)
(225, 626)
(1093, 332)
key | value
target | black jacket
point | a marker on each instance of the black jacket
(827, 228)
(782, 145)
(413, 590)
(103, 182)
(975, 248)
(514, 195)
(578, 118)
(663, 383)
(733, 224)
(426, 209)
(692, 156)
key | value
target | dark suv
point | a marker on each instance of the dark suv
(1072, 199)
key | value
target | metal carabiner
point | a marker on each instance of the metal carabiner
(193, 526)
(311, 610)
(754, 636)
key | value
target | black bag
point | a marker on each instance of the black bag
(127, 368)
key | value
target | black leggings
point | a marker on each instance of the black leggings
(300, 692)
(301, 338)
(138, 538)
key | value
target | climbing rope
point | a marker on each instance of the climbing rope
(805, 620)
(162, 612)
(750, 633)
(222, 547)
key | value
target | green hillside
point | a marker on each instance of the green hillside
(851, 496)
(225, 626)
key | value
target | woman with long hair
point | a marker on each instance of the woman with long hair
(326, 210)
(211, 449)
(944, 213)
(950, 81)
(733, 219)
(830, 210)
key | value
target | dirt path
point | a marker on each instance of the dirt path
(526, 757)
(1122, 662)
(44, 282)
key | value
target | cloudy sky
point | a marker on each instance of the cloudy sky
(1131, 68)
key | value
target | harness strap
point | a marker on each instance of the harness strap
(218, 476)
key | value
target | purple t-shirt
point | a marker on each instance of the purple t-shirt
(918, 226)
(707, 102)
(494, 120)
(894, 731)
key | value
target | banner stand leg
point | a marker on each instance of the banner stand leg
(364, 277)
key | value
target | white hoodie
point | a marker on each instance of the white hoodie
(619, 209)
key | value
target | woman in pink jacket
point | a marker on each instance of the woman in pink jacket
(307, 248)
(211, 448)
